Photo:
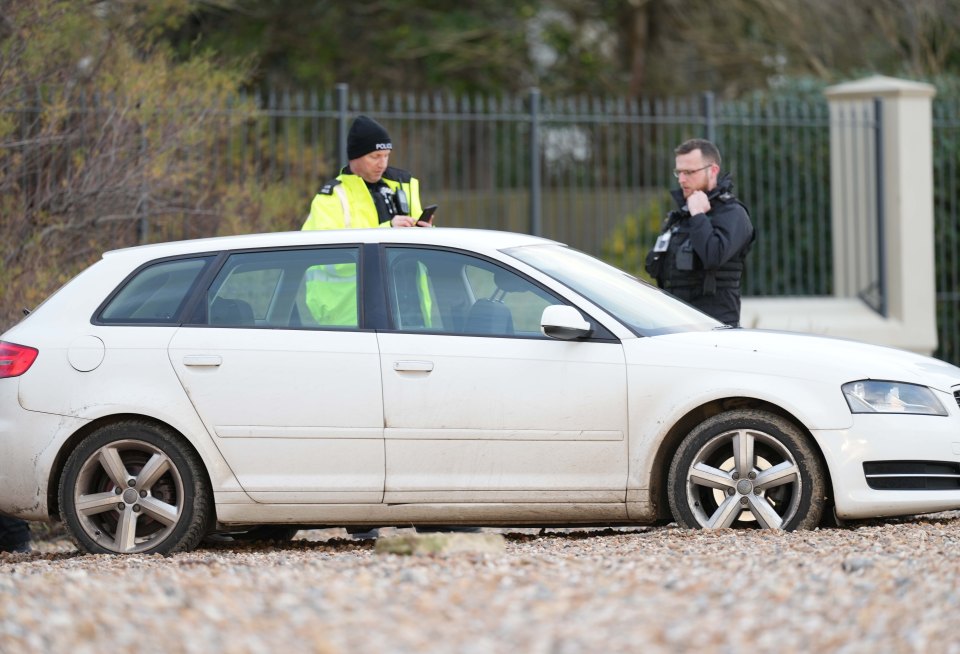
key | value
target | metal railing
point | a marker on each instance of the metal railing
(591, 172)
(577, 169)
(946, 197)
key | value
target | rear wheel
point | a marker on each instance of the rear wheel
(134, 487)
(746, 469)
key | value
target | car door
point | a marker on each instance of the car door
(284, 380)
(479, 406)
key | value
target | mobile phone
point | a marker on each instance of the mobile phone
(427, 214)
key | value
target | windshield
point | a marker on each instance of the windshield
(646, 310)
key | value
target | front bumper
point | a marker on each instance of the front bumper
(894, 440)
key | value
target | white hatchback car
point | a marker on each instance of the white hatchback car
(260, 384)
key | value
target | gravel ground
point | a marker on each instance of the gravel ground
(877, 587)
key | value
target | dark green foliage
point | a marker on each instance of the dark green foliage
(462, 47)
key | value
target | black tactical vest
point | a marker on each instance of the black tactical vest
(679, 269)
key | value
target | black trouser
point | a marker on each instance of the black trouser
(13, 532)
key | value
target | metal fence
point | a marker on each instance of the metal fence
(577, 169)
(595, 173)
(946, 192)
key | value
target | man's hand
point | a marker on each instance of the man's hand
(698, 203)
(403, 221)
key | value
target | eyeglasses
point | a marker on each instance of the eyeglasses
(688, 173)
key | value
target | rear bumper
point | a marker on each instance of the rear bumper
(29, 442)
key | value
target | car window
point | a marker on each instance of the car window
(644, 309)
(155, 294)
(454, 293)
(293, 289)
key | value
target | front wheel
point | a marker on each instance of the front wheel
(746, 469)
(134, 487)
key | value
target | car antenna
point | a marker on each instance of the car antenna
(26, 311)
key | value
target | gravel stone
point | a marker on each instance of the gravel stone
(440, 543)
(870, 587)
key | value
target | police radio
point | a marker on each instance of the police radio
(396, 201)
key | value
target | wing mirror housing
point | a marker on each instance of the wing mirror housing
(563, 323)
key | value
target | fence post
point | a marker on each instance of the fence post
(536, 226)
(341, 125)
(143, 221)
(881, 217)
(710, 122)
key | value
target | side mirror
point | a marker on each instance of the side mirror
(563, 323)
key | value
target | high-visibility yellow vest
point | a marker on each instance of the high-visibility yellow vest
(331, 294)
(346, 203)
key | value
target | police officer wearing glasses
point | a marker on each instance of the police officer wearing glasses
(699, 256)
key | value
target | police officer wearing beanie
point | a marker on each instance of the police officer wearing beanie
(368, 192)
(699, 257)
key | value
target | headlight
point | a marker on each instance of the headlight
(871, 396)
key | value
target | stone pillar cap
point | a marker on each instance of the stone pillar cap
(880, 86)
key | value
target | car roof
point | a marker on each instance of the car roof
(479, 240)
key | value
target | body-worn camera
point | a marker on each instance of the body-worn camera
(396, 201)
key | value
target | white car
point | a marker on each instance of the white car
(260, 384)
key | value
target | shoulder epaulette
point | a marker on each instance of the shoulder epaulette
(327, 189)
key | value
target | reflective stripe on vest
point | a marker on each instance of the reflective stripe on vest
(342, 194)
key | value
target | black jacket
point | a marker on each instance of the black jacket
(704, 260)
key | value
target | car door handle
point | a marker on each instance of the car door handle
(413, 366)
(202, 360)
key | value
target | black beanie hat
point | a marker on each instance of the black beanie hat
(366, 135)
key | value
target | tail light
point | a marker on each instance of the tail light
(16, 359)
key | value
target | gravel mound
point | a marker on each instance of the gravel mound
(876, 587)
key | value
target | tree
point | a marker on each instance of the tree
(101, 135)
(457, 46)
(635, 47)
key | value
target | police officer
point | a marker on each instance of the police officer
(699, 256)
(368, 192)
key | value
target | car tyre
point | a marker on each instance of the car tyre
(134, 487)
(746, 468)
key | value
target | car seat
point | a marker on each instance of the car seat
(491, 315)
(231, 312)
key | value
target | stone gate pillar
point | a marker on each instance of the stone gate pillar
(906, 186)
